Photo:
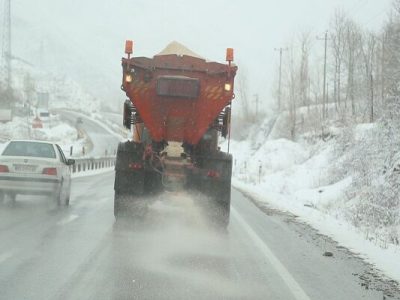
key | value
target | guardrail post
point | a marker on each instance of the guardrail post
(87, 164)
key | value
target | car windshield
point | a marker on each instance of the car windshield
(29, 149)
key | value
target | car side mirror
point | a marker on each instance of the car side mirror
(70, 162)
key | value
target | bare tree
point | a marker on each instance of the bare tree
(243, 93)
(391, 53)
(396, 6)
(368, 54)
(353, 41)
(292, 85)
(338, 42)
(304, 76)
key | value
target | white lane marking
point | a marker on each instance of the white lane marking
(68, 220)
(291, 283)
(5, 256)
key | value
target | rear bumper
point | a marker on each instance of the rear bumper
(28, 185)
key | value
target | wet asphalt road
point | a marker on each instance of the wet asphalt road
(80, 252)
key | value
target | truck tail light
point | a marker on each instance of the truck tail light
(213, 174)
(4, 169)
(227, 87)
(50, 171)
(136, 166)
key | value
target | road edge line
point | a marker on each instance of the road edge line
(285, 275)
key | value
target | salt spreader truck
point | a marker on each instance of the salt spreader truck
(178, 104)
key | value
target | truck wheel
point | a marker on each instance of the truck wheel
(225, 212)
(223, 205)
(218, 189)
(223, 215)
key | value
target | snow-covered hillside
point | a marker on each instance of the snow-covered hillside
(344, 182)
(54, 130)
(63, 91)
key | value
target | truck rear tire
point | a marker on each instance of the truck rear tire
(221, 202)
(218, 189)
(223, 215)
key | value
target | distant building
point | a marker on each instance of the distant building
(43, 100)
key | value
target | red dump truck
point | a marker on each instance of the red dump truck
(178, 104)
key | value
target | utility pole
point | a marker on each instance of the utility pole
(383, 69)
(325, 38)
(6, 41)
(371, 118)
(280, 76)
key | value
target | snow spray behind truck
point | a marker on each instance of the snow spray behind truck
(178, 104)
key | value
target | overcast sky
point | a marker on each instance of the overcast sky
(91, 33)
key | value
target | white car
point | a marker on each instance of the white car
(35, 168)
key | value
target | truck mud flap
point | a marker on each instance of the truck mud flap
(127, 180)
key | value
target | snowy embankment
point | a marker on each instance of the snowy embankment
(54, 130)
(106, 123)
(302, 178)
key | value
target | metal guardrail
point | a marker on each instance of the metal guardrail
(90, 164)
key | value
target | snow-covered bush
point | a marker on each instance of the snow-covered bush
(368, 152)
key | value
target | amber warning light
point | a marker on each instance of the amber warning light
(129, 47)
(229, 54)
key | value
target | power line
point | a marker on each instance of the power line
(375, 16)
(357, 8)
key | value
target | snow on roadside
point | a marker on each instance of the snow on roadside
(295, 177)
(65, 135)
(55, 131)
(99, 120)
(387, 260)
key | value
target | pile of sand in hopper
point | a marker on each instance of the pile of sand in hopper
(178, 49)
